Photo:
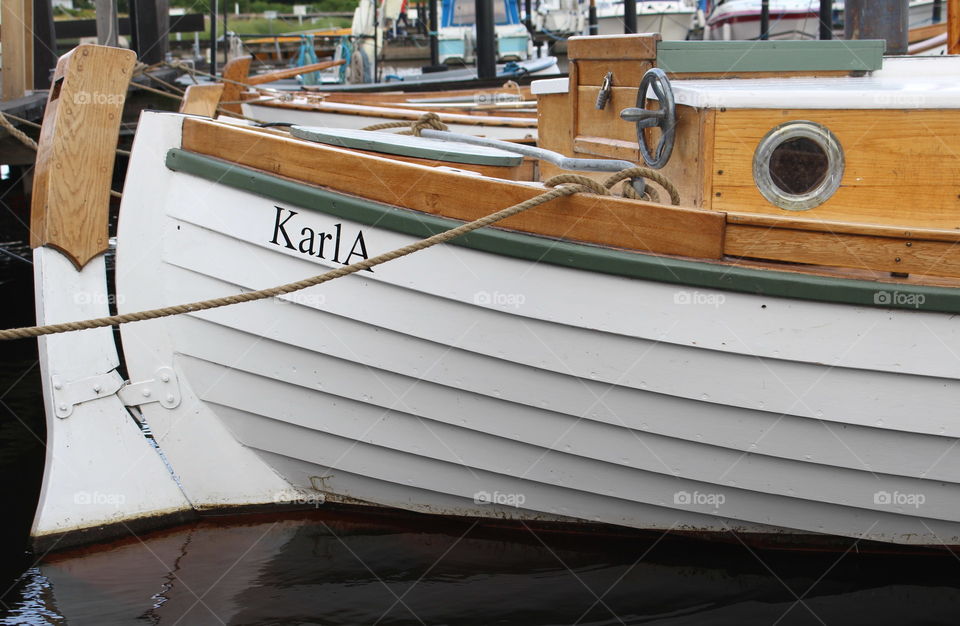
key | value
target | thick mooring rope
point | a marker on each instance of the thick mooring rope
(565, 189)
(21, 136)
(561, 185)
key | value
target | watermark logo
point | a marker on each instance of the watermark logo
(885, 498)
(700, 499)
(95, 97)
(507, 499)
(500, 300)
(699, 298)
(899, 298)
(314, 300)
(299, 499)
(85, 498)
(494, 98)
(88, 297)
(900, 99)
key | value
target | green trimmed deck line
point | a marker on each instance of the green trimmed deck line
(580, 256)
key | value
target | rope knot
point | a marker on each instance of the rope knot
(583, 184)
(427, 120)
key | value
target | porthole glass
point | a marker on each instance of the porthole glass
(798, 165)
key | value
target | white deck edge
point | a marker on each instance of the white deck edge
(550, 85)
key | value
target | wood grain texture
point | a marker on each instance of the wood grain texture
(71, 185)
(953, 26)
(16, 32)
(626, 73)
(926, 32)
(606, 221)
(235, 76)
(556, 114)
(836, 249)
(202, 99)
(902, 166)
(606, 135)
(636, 47)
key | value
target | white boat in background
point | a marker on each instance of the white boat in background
(792, 19)
(671, 18)
(740, 19)
(770, 358)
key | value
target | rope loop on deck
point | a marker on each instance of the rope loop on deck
(563, 185)
(645, 172)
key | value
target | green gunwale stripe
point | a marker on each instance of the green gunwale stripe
(576, 255)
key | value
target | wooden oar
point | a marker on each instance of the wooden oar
(269, 77)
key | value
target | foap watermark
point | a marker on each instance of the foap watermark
(492, 97)
(95, 97)
(299, 499)
(886, 498)
(90, 297)
(900, 99)
(698, 298)
(899, 298)
(500, 300)
(506, 499)
(84, 498)
(699, 499)
(314, 300)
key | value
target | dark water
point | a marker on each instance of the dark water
(324, 567)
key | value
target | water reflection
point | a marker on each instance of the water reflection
(323, 568)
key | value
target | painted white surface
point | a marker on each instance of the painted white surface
(452, 372)
(214, 470)
(550, 85)
(896, 89)
(99, 468)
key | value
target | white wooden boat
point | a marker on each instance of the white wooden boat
(671, 18)
(773, 361)
(740, 19)
(791, 19)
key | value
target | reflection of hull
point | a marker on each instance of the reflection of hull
(285, 571)
(671, 25)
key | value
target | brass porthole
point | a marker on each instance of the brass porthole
(798, 165)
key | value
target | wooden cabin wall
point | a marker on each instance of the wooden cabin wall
(901, 166)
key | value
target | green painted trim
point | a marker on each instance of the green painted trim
(566, 254)
(769, 56)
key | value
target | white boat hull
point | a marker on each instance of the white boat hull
(672, 25)
(301, 117)
(462, 382)
(740, 20)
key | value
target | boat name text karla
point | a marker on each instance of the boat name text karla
(322, 245)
